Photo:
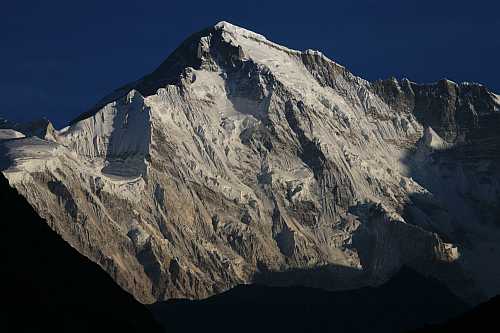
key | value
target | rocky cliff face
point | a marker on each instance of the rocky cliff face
(49, 287)
(239, 159)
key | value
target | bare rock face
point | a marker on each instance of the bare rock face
(240, 160)
(49, 287)
(453, 110)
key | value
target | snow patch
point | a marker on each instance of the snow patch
(233, 29)
(497, 98)
(7, 134)
(432, 140)
(120, 129)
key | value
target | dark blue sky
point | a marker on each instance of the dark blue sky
(57, 58)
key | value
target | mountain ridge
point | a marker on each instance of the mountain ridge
(237, 157)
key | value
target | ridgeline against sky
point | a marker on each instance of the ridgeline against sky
(241, 160)
(58, 58)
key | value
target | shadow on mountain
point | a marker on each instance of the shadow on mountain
(49, 287)
(330, 277)
(408, 301)
(482, 318)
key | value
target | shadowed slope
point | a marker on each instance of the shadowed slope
(407, 301)
(50, 286)
(483, 317)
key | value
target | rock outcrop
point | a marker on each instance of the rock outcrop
(239, 159)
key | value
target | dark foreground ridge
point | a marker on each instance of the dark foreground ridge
(483, 318)
(406, 302)
(49, 287)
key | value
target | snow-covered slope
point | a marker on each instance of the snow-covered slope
(6, 134)
(240, 160)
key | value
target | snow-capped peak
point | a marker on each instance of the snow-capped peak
(234, 29)
(239, 155)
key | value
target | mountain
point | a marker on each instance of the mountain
(239, 160)
(49, 287)
(391, 307)
(482, 317)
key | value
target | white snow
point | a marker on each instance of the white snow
(450, 82)
(233, 29)
(433, 140)
(6, 134)
(119, 128)
(239, 33)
